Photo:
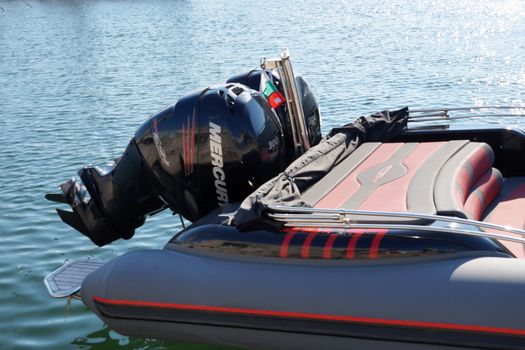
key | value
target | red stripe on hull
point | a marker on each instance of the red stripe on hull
(311, 316)
(327, 251)
(350, 249)
(285, 244)
(305, 249)
(374, 247)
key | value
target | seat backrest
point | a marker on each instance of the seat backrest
(467, 183)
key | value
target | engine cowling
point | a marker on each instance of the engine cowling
(211, 148)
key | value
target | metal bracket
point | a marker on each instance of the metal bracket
(293, 100)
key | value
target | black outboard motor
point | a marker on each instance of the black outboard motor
(211, 148)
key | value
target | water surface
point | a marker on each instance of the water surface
(78, 77)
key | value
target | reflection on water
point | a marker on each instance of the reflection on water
(77, 78)
(106, 339)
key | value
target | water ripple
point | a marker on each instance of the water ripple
(77, 78)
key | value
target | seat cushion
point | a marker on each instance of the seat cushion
(446, 178)
(427, 177)
(507, 209)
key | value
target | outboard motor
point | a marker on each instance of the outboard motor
(212, 147)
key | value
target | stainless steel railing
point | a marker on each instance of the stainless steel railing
(294, 106)
(443, 114)
(342, 218)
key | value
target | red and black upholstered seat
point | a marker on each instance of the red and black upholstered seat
(447, 178)
(508, 209)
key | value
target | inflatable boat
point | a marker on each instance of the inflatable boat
(399, 230)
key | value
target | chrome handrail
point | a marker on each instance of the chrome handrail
(425, 118)
(306, 215)
(463, 108)
(413, 228)
(441, 114)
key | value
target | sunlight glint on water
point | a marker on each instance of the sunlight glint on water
(77, 79)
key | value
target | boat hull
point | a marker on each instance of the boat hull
(450, 301)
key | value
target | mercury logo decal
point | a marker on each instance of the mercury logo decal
(218, 164)
(158, 145)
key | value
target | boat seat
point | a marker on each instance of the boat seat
(508, 209)
(449, 178)
(453, 178)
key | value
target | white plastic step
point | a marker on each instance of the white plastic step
(67, 280)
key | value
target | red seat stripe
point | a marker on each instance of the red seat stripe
(392, 196)
(464, 182)
(480, 161)
(488, 186)
(349, 185)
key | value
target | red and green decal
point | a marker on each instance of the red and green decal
(270, 92)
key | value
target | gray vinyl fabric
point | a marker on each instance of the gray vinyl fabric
(431, 189)
(366, 178)
(287, 187)
(420, 196)
(338, 173)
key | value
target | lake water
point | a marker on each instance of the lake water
(78, 77)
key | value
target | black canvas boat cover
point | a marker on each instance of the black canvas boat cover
(287, 187)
